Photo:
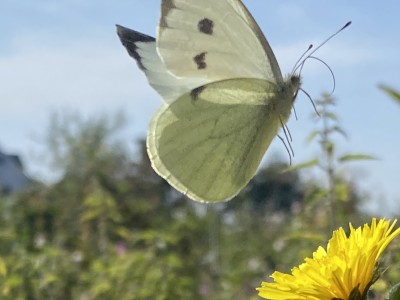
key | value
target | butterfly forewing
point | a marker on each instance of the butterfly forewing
(216, 40)
(272, 62)
(142, 48)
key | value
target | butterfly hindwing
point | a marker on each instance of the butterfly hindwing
(215, 40)
(208, 144)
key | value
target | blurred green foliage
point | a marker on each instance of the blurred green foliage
(394, 94)
(111, 228)
(334, 190)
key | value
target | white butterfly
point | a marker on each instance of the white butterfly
(225, 97)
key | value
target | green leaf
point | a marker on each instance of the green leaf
(329, 147)
(394, 293)
(331, 115)
(3, 267)
(353, 157)
(312, 136)
(355, 294)
(304, 165)
(391, 92)
(340, 131)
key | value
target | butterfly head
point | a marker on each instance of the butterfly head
(295, 82)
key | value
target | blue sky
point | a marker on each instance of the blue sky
(65, 55)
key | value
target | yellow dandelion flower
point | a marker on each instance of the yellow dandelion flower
(345, 270)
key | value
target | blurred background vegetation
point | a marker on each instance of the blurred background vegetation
(111, 228)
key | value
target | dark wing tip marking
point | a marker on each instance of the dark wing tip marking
(166, 6)
(199, 59)
(129, 38)
(206, 26)
(196, 92)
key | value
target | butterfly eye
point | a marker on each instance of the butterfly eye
(295, 80)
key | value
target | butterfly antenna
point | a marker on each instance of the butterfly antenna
(287, 149)
(323, 43)
(301, 57)
(330, 70)
(312, 101)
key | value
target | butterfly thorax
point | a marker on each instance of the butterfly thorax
(287, 92)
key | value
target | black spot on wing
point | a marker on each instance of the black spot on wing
(199, 59)
(129, 38)
(206, 26)
(196, 92)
